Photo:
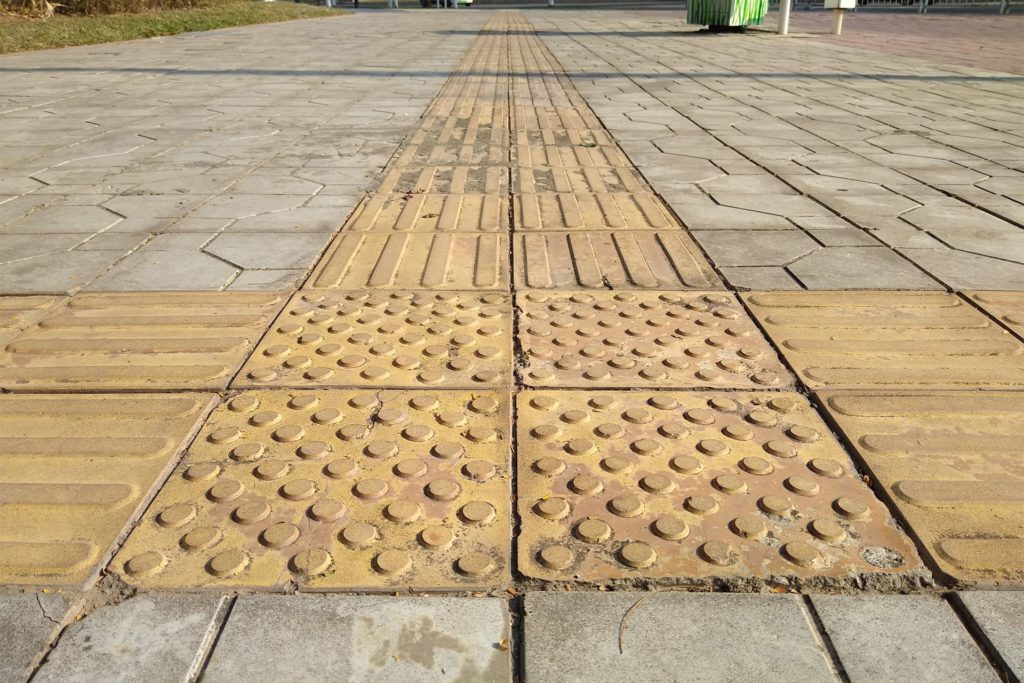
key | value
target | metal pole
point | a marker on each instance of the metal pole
(837, 22)
(783, 16)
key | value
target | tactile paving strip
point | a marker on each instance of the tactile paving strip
(76, 470)
(597, 137)
(687, 488)
(490, 180)
(415, 261)
(551, 118)
(485, 146)
(179, 340)
(335, 489)
(593, 180)
(1006, 307)
(638, 339)
(18, 312)
(619, 259)
(431, 213)
(952, 465)
(386, 339)
(889, 339)
(580, 211)
(574, 156)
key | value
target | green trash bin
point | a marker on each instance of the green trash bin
(715, 13)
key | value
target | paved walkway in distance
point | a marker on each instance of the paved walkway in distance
(522, 418)
(223, 160)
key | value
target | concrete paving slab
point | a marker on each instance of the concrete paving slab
(755, 248)
(859, 268)
(156, 637)
(61, 272)
(29, 622)
(364, 638)
(999, 616)
(656, 636)
(907, 637)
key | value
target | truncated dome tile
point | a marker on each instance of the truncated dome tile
(335, 489)
(431, 213)
(952, 465)
(386, 339)
(637, 339)
(76, 470)
(687, 487)
(165, 340)
(889, 339)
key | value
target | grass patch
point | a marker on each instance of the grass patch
(19, 33)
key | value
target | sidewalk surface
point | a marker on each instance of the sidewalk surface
(483, 345)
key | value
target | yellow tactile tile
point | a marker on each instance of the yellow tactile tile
(552, 211)
(414, 261)
(619, 259)
(581, 137)
(1006, 307)
(335, 489)
(76, 470)
(589, 180)
(952, 465)
(526, 117)
(570, 156)
(18, 312)
(695, 487)
(643, 339)
(468, 106)
(179, 340)
(466, 147)
(431, 213)
(486, 180)
(889, 339)
(386, 339)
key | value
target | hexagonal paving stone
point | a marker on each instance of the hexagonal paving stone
(655, 339)
(335, 489)
(690, 488)
(386, 339)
